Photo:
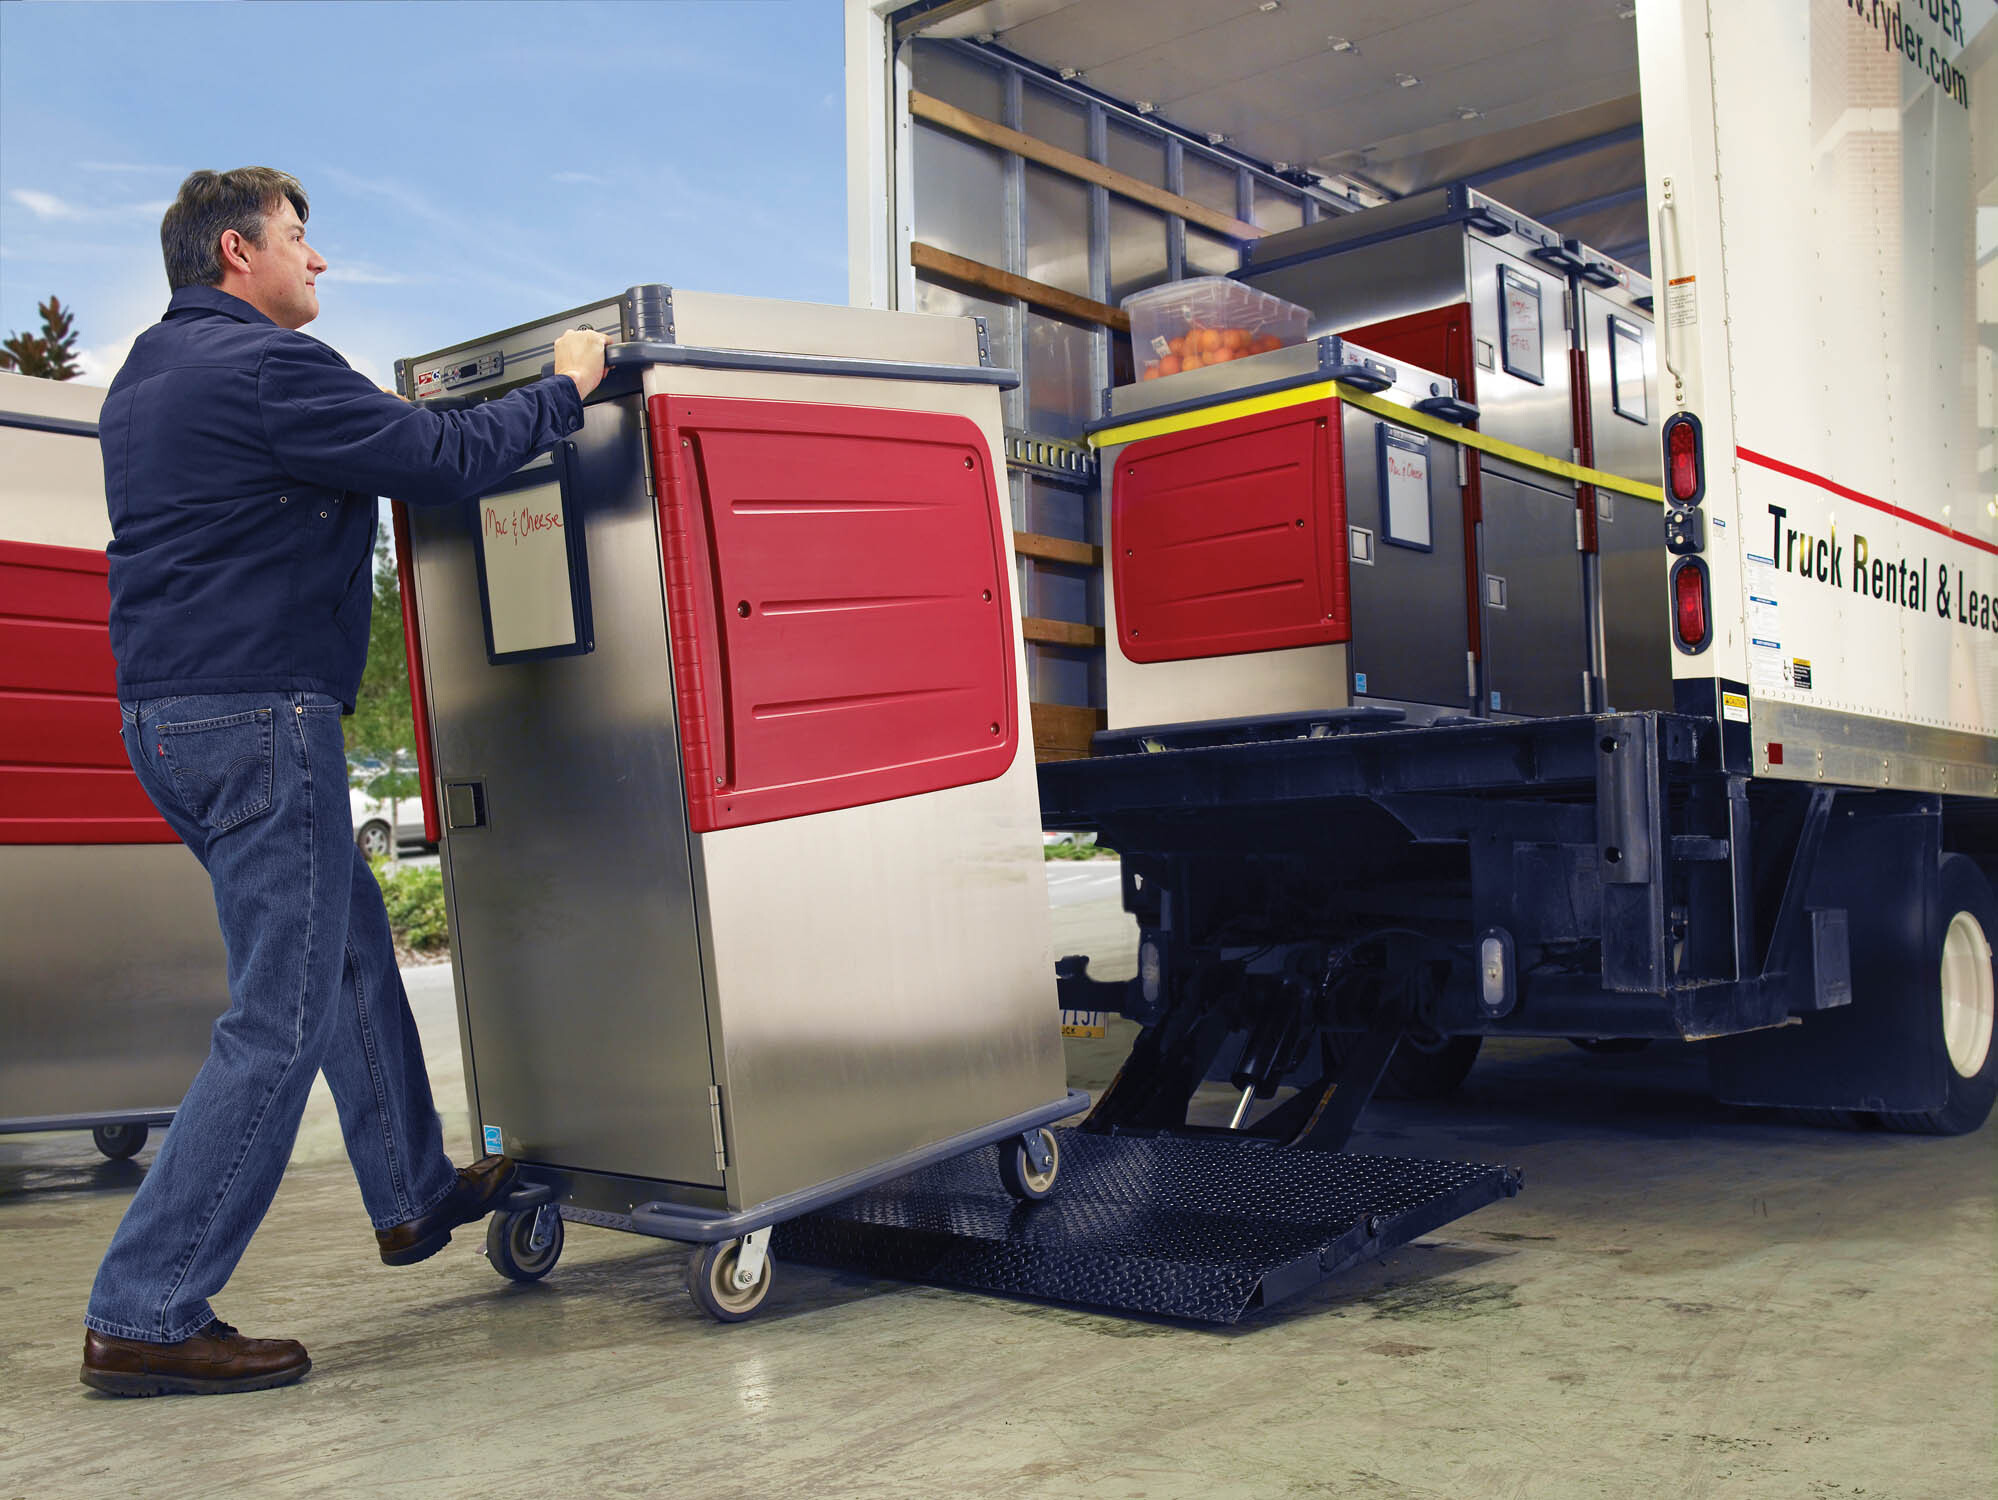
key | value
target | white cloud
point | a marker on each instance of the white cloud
(49, 206)
(360, 273)
(44, 205)
(129, 166)
(99, 362)
(589, 178)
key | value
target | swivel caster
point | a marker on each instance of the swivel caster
(119, 1142)
(1029, 1163)
(730, 1279)
(524, 1245)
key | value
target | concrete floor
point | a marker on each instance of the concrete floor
(1687, 1301)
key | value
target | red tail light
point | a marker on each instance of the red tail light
(1689, 605)
(1685, 460)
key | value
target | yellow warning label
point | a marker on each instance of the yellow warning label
(1735, 706)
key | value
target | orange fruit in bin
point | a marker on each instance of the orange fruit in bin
(1212, 340)
(1177, 346)
(1235, 338)
(1191, 362)
(1170, 365)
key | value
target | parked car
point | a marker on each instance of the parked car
(377, 821)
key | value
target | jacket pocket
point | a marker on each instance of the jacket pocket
(221, 767)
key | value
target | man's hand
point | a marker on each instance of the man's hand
(579, 354)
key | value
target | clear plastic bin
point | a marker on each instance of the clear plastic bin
(1207, 320)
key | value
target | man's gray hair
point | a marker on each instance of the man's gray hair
(212, 202)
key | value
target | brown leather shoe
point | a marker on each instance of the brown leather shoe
(480, 1186)
(214, 1362)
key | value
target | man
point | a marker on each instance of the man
(242, 461)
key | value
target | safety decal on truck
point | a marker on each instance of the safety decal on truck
(1682, 301)
(1734, 707)
(495, 1142)
(1082, 1023)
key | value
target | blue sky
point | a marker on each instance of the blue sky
(470, 165)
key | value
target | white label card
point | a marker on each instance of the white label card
(1405, 478)
(525, 541)
(1520, 295)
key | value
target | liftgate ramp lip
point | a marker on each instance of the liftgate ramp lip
(1206, 1229)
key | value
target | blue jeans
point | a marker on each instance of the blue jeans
(256, 785)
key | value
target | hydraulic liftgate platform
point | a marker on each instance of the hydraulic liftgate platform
(1172, 1226)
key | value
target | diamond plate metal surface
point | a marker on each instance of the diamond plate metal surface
(1206, 1230)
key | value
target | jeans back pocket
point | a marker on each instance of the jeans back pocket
(221, 767)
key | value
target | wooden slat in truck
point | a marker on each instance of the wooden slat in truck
(1764, 812)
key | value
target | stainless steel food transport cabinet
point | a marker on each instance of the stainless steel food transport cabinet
(1451, 281)
(1286, 535)
(722, 708)
(1618, 422)
(112, 967)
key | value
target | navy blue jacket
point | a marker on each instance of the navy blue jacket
(241, 464)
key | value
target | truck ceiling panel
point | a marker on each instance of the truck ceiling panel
(1271, 82)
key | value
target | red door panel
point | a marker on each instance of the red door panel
(839, 600)
(1440, 340)
(64, 778)
(1232, 537)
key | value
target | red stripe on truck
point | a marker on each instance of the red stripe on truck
(1777, 466)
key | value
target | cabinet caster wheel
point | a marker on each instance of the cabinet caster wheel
(1029, 1164)
(524, 1246)
(119, 1142)
(712, 1277)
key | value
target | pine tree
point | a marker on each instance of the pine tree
(50, 357)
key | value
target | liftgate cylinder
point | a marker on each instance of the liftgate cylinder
(112, 968)
(1286, 536)
(1451, 281)
(724, 715)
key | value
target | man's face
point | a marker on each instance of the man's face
(282, 271)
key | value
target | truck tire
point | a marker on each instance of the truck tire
(1429, 1067)
(1968, 925)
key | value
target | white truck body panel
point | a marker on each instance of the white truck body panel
(1815, 196)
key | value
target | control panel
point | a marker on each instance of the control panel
(501, 361)
(429, 382)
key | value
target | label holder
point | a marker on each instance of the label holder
(1520, 326)
(1402, 461)
(558, 472)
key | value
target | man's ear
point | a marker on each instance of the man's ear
(233, 258)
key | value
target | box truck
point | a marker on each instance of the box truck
(1586, 627)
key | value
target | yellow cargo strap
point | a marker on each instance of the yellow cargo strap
(1304, 395)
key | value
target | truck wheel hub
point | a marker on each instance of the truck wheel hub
(1967, 998)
